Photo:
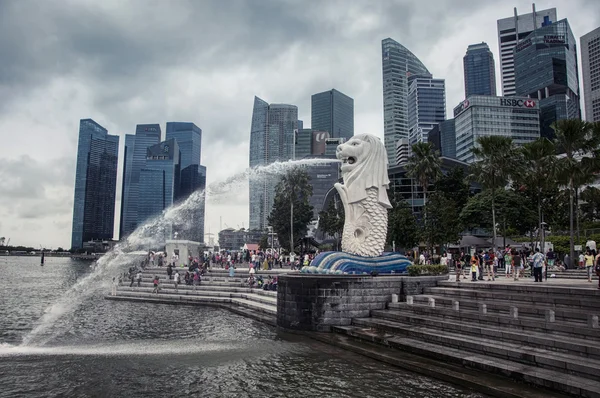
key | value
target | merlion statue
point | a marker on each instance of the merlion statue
(365, 200)
(364, 195)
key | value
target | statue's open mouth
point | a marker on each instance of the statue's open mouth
(349, 160)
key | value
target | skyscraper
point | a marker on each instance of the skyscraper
(159, 179)
(398, 64)
(484, 115)
(443, 138)
(510, 32)
(146, 135)
(590, 66)
(546, 70)
(95, 184)
(272, 136)
(479, 69)
(126, 180)
(426, 106)
(193, 176)
(333, 111)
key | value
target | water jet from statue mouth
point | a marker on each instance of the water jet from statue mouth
(349, 160)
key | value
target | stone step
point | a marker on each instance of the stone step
(567, 344)
(204, 293)
(502, 307)
(526, 324)
(571, 384)
(256, 312)
(523, 353)
(251, 302)
(563, 301)
(526, 288)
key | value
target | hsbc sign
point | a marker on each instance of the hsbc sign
(515, 102)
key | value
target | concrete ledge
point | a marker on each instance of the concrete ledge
(269, 319)
(314, 302)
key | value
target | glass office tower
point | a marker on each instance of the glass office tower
(398, 64)
(159, 179)
(479, 70)
(193, 177)
(426, 106)
(513, 30)
(126, 182)
(146, 135)
(272, 137)
(333, 111)
(95, 184)
(546, 70)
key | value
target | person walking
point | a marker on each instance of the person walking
(538, 265)
(139, 278)
(597, 267)
(507, 263)
(169, 271)
(156, 283)
(458, 268)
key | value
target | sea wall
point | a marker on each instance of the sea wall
(309, 302)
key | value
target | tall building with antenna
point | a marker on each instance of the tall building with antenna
(511, 31)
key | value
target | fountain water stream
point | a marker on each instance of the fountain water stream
(150, 234)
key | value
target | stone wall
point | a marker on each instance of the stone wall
(316, 302)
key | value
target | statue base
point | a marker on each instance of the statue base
(341, 263)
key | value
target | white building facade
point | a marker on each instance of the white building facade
(479, 116)
(590, 66)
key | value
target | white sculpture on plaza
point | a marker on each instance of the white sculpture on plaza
(364, 195)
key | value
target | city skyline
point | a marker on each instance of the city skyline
(135, 79)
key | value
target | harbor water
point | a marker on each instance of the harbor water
(102, 348)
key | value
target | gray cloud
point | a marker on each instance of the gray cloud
(145, 61)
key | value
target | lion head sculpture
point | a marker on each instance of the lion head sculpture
(364, 166)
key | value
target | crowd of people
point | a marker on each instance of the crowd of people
(515, 263)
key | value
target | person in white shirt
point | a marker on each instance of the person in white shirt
(176, 279)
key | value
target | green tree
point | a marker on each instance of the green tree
(291, 211)
(263, 244)
(403, 231)
(442, 224)
(538, 172)
(591, 206)
(574, 138)
(454, 186)
(425, 166)
(512, 211)
(494, 164)
(331, 220)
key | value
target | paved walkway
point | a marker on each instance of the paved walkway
(572, 283)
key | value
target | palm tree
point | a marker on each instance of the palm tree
(539, 171)
(425, 166)
(575, 139)
(495, 161)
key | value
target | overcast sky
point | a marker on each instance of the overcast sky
(127, 62)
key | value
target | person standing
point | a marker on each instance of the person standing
(538, 265)
(156, 283)
(176, 279)
(507, 263)
(139, 278)
(474, 267)
(589, 264)
(458, 268)
(516, 265)
(169, 271)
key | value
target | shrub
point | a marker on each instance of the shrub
(428, 269)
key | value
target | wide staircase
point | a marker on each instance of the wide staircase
(216, 288)
(546, 336)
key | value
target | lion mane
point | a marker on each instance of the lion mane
(370, 173)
